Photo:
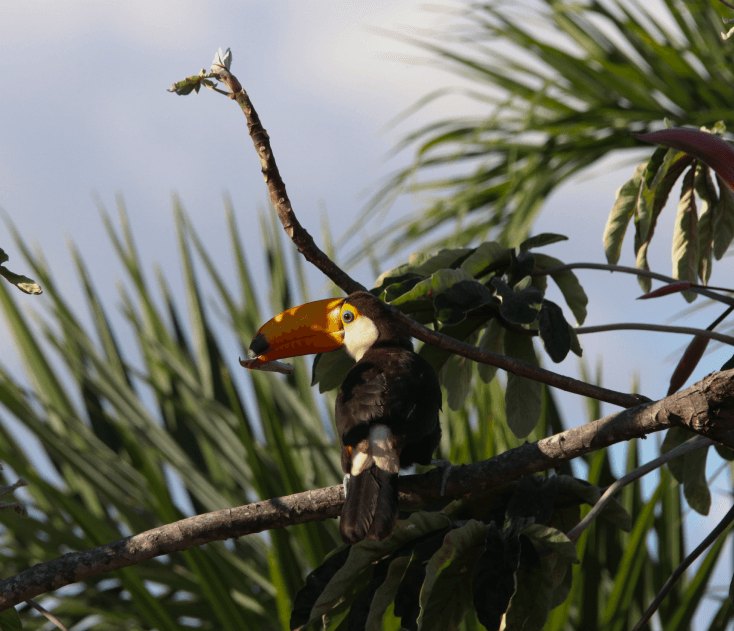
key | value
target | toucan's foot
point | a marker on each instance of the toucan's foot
(346, 484)
(445, 467)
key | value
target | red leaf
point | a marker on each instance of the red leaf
(665, 290)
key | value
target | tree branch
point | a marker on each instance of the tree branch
(729, 300)
(312, 253)
(706, 407)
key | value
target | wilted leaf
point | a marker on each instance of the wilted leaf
(25, 284)
(706, 191)
(687, 364)
(653, 197)
(666, 290)
(685, 235)
(619, 218)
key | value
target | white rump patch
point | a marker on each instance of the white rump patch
(377, 449)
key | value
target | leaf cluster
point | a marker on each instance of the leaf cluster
(699, 236)
(504, 555)
(488, 296)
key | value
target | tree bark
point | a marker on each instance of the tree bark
(706, 408)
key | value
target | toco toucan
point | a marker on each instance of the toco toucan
(386, 410)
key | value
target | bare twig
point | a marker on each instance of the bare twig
(729, 300)
(697, 442)
(659, 328)
(312, 253)
(707, 407)
(678, 572)
(44, 612)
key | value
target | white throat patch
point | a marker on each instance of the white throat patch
(359, 336)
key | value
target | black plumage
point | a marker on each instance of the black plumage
(389, 386)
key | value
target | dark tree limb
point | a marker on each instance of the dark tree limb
(707, 408)
(312, 253)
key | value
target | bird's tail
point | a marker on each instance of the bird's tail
(371, 507)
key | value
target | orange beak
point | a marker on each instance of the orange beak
(311, 328)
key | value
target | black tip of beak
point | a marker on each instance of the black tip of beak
(258, 346)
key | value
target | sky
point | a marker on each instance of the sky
(85, 113)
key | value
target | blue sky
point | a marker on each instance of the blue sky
(84, 109)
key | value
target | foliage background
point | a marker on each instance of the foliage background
(117, 129)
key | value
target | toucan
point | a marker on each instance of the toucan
(386, 410)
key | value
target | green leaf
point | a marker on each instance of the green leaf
(453, 305)
(622, 211)
(10, 620)
(523, 397)
(653, 197)
(456, 377)
(568, 283)
(685, 235)
(385, 594)
(706, 191)
(439, 282)
(494, 575)
(689, 470)
(520, 307)
(446, 592)
(723, 221)
(492, 340)
(533, 498)
(485, 256)
(554, 331)
(316, 582)
(3, 256)
(330, 369)
(547, 537)
(352, 577)
(539, 240)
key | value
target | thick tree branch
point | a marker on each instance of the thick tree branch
(707, 408)
(312, 253)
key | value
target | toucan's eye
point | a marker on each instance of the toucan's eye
(347, 317)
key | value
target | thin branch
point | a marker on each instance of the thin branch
(697, 442)
(44, 612)
(637, 272)
(706, 407)
(312, 253)
(660, 328)
(678, 572)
